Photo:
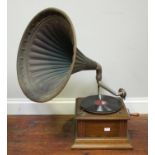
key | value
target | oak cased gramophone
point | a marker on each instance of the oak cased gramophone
(47, 57)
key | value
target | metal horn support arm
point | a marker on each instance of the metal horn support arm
(121, 92)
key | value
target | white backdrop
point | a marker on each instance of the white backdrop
(113, 33)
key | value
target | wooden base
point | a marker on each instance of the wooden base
(101, 143)
(101, 131)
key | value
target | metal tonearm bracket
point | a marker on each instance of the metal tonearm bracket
(121, 92)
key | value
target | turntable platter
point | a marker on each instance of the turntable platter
(104, 105)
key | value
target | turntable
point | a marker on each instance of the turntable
(47, 57)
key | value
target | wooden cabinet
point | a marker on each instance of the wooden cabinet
(94, 131)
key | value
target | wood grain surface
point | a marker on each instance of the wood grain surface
(54, 135)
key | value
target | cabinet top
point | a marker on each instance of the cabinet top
(80, 114)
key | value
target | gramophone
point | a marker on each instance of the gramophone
(47, 57)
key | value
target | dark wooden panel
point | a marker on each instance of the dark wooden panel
(123, 128)
(96, 128)
(53, 135)
(81, 128)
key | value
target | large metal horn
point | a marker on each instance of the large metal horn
(48, 55)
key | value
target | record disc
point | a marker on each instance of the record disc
(103, 105)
